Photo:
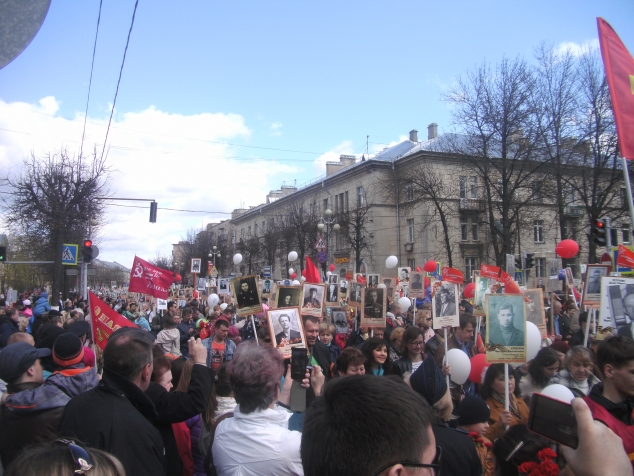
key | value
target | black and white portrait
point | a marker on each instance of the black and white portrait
(333, 278)
(535, 307)
(616, 312)
(286, 326)
(592, 290)
(266, 287)
(373, 314)
(245, 293)
(356, 290)
(195, 265)
(343, 288)
(223, 285)
(403, 274)
(506, 324)
(332, 293)
(340, 321)
(313, 302)
(288, 296)
(445, 305)
(373, 280)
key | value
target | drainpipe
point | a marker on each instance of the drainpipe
(398, 217)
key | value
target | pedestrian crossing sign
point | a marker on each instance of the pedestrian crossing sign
(69, 254)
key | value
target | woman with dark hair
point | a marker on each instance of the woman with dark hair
(162, 372)
(542, 368)
(519, 445)
(377, 358)
(492, 392)
(412, 345)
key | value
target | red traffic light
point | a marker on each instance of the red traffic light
(87, 243)
(600, 224)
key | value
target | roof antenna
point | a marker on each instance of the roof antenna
(367, 141)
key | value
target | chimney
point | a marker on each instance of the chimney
(413, 135)
(432, 131)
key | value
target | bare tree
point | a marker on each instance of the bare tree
(55, 197)
(354, 229)
(300, 223)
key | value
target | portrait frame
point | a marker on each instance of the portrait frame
(404, 277)
(295, 293)
(223, 286)
(285, 346)
(333, 278)
(195, 265)
(592, 289)
(313, 306)
(450, 316)
(355, 290)
(372, 280)
(267, 286)
(337, 295)
(416, 284)
(496, 350)
(613, 312)
(343, 288)
(481, 287)
(249, 301)
(389, 284)
(339, 315)
(535, 311)
(374, 314)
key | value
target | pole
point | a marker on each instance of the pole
(84, 279)
(446, 353)
(255, 333)
(506, 387)
(588, 324)
(414, 304)
(628, 189)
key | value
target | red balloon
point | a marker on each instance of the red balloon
(331, 268)
(293, 276)
(567, 249)
(469, 290)
(178, 278)
(430, 266)
(304, 272)
(478, 364)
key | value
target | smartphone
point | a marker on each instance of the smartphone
(299, 361)
(553, 419)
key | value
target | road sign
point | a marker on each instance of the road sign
(69, 254)
(322, 257)
(213, 272)
(622, 269)
(607, 260)
(320, 245)
(266, 271)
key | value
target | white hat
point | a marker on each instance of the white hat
(26, 302)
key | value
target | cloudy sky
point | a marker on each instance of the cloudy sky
(221, 102)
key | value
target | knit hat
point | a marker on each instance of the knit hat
(68, 350)
(80, 328)
(473, 410)
(429, 381)
(233, 331)
(15, 359)
(560, 346)
(54, 312)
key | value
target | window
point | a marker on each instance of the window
(346, 201)
(464, 228)
(538, 231)
(540, 267)
(411, 263)
(569, 229)
(336, 204)
(570, 194)
(471, 265)
(474, 229)
(242, 235)
(325, 205)
(614, 237)
(474, 187)
(463, 186)
(624, 197)
(256, 229)
(360, 197)
(625, 233)
(409, 193)
(536, 187)
(249, 231)
(263, 226)
(410, 230)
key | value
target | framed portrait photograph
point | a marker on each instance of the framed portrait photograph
(343, 288)
(223, 285)
(333, 278)
(340, 320)
(617, 306)
(444, 304)
(266, 287)
(372, 280)
(288, 296)
(481, 288)
(592, 283)
(373, 307)
(355, 292)
(286, 326)
(506, 328)
(332, 293)
(313, 296)
(417, 284)
(535, 312)
(196, 265)
(245, 293)
(403, 274)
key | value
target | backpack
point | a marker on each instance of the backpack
(208, 465)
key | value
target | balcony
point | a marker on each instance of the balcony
(574, 211)
(471, 205)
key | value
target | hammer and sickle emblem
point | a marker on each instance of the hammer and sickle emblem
(138, 271)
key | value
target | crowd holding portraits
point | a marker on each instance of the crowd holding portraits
(313, 299)
(286, 326)
(245, 292)
(288, 296)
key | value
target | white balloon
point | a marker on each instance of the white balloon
(223, 306)
(558, 392)
(295, 282)
(460, 366)
(405, 303)
(290, 271)
(237, 258)
(391, 262)
(533, 341)
(328, 273)
(303, 278)
(212, 300)
(292, 256)
(381, 286)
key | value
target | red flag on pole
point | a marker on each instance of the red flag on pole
(312, 273)
(148, 279)
(619, 71)
(105, 320)
(452, 275)
(625, 257)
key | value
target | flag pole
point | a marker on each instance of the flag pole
(628, 189)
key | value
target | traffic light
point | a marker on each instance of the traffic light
(153, 209)
(530, 262)
(87, 251)
(600, 232)
(518, 262)
(3, 253)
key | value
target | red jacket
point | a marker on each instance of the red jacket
(624, 431)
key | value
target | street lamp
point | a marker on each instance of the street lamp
(214, 253)
(328, 223)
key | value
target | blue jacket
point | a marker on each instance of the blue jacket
(230, 349)
(41, 306)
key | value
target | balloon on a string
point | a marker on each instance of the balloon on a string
(223, 306)
(469, 290)
(460, 366)
(328, 273)
(303, 272)
(295, 283)
(237, 258)
(303, 278)
(430, 266)
(391, 262)
(405, 303)
(178, 278)
(558, 392)
(478, 366)
(292, 256)
(331, 267)
(213, 299)
(290, 271)
(567, 249)
(533, 341)
(293, 276)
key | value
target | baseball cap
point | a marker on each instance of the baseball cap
(16, 358)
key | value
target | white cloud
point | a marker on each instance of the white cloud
(319, 165)
(577, 49)
(180, 161)
(276, 129)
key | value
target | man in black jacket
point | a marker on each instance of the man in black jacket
(117, 415)
(318, 353)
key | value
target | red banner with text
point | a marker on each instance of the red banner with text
(452, 275)
(625, 257)
(148, 279)
(105, 320)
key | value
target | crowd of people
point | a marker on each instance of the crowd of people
(197, 391)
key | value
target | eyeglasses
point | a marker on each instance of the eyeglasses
(80, 456)
(416, 344)
(435, 464)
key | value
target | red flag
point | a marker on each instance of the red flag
(625, 257)
(312, 273)
(105, 320)
(148, 279)
(452, 275)
(489, 271)
(619, 71)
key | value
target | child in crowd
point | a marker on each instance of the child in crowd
(473, 418)
(326, 335)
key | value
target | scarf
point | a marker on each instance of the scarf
(512, 404)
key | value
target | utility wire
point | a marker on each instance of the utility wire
(92, 67)
(114, 103)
